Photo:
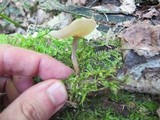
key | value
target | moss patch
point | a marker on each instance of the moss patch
(99, 62)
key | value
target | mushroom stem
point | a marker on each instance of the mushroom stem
(73, 57)
(77, 29)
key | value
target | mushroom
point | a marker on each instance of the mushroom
(77, 29)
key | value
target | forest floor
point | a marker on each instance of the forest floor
(95, 94)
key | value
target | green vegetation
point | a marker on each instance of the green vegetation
(98, 68)
(109, 106)
(95, 93)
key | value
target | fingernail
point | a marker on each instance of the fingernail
(57, 93)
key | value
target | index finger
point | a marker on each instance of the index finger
(19, 61)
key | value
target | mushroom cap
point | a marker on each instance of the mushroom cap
(78, 28)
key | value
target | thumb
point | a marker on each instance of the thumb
(39, 102)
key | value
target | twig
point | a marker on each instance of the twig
(12, 21)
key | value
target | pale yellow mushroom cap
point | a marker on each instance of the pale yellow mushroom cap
(78, 28)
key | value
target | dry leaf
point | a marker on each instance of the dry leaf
(143, 38)
(128, 6)
(60, 21)
(152, 13)
(41, 16)
(77, 2)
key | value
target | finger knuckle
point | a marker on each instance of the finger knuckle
(29, 111)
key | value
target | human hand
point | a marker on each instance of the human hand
(23, 99)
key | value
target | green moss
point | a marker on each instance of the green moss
(104, 105)
(98, 66)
